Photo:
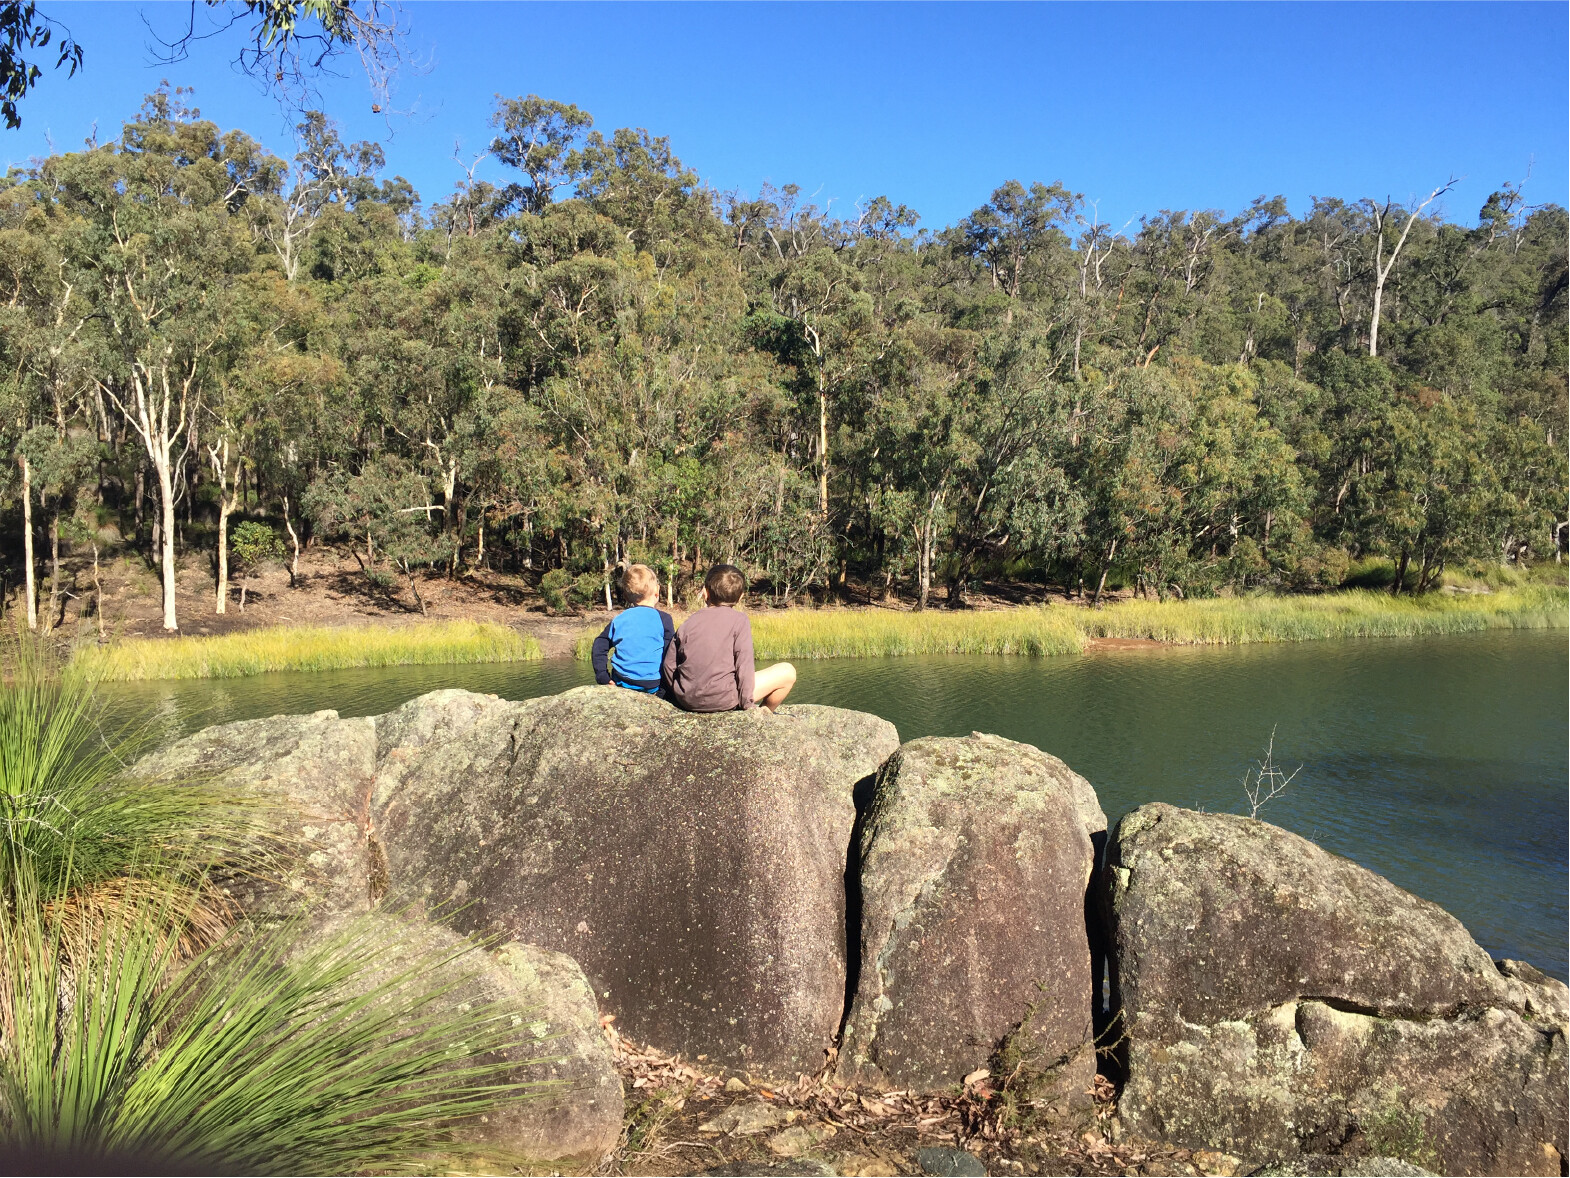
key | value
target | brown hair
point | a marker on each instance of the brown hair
(637, 581)
(725, 584)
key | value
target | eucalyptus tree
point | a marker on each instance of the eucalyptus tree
(155, 252)
(45, 383)
(1383, 218)
(539, 138)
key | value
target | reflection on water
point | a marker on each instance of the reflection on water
(1438, 762)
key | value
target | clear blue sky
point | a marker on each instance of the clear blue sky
(1139, 106)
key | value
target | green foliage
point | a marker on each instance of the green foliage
(253, 542)
(553, 588)
(22, 27)
(1024, 1074)
(139, 1034)
(71, 814)
(598, 357)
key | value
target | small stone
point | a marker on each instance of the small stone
(798, 1139)
(947, 1162)
(736, 1084)
(1217, 1164)
(746, 1119)
(855, 1165)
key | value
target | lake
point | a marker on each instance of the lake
(1438, 762)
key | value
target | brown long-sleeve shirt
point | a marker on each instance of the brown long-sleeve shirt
(708, 666)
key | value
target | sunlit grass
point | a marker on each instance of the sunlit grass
(821, 634)
(1064, 629)
(1351, 614)
(308, 648)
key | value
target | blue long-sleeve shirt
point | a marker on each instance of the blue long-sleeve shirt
(638, 636)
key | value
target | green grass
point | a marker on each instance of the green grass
(1063, 629)
(307, 648)
(270, 1052)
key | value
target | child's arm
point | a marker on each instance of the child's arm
(600, 654)
(668, 663)
(744, 669)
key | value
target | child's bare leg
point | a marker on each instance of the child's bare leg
(771, 685)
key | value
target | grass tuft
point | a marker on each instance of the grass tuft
(307, 648)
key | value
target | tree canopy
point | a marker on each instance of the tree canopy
(603, 359)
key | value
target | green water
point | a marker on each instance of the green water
(1438, 762)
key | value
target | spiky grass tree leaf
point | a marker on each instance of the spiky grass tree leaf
(68, 806)
(259, 1057)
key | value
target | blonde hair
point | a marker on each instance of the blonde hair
(638, 581)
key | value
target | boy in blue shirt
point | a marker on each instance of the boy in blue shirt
(638, 635)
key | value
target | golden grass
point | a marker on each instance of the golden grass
(1063, 629)
(307, 648)
(821, 634)
(1355, 613)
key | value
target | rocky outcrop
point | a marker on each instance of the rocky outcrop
(692, 864)
(571, 1113)
(974, 859)
(1279, 1000)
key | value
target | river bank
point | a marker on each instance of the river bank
(849, 632)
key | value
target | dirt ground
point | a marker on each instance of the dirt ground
(331, 589)
(685, 1119)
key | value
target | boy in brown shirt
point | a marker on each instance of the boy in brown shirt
(708, 666)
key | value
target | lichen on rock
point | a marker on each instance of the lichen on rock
(1278, 1000)
(973, 862)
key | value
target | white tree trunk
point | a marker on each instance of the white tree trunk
(223, 554)
(227, 502)
(166, 510)
(294, 565)
(27, 544)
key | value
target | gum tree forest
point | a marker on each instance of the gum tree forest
(599, 358)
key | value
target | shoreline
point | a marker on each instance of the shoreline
(842, 632)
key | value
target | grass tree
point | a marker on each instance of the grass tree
(142, 1031)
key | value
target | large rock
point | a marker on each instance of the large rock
(693, 864)
(974, 859)
(572, 1115)
(310, 779)
(1280, 1000)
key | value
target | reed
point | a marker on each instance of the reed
(1349, 614)
(1064, 629)
(819, 634)
(307, 648)
(877, 633)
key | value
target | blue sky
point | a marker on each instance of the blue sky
(1139, 107)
